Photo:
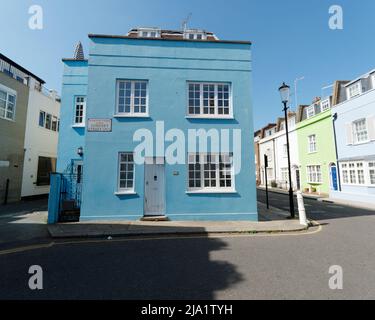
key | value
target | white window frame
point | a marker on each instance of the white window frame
(76, 105)
(125, 190)
(347, 167)
(44, 119)
(325, 105)
(312, 143)
(354, 90)
(54, 120)
(284, 174)
(202, 161)
(310, 111)
(216, 114)
(285, 150)
(371, 167)
(318, 174)
(356, 133)
(9, 92)
(132, 99)
(190, 35)
(148, 33)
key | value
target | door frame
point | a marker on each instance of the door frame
(154, 161)
(330, 166)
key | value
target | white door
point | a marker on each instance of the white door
(154, 189)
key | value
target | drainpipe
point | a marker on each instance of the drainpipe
(334, 118)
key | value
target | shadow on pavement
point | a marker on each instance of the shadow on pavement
(168, 268)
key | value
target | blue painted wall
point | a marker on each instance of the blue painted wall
(70, 139)
(351, 110)
(167, 65)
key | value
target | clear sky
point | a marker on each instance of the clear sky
(291, 38)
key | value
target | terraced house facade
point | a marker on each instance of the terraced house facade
(157, 80)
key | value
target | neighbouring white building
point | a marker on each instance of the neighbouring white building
(41, 138)
(274, 145)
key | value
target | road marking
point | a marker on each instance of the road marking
(27, 248)
(149, 238)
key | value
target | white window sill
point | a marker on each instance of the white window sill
(210, 117)
(362, 142)
(125, 193)
(7, 119)
(81, 125)
(312, 152)
(131, 116)
(212, 191)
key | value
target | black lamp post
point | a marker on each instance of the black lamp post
(284, 93)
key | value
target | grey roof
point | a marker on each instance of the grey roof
(163, 39)
(19, 67)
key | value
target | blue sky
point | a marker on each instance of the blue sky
(291, 38)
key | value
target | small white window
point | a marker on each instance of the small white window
(310, 111)
(269, 154)
(7, 105)
(132, 98)
(325, 105)
(360, 133)
(314, 174)
(284, 174)
(312, 143)
(42, 119)
(285, 150)
(210, 100)
(79, 110)
(126, 172)
(371, 168)
(54, 123)
(195, 36)
(354, 90)
(48, 121)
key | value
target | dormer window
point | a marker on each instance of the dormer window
(311, 111)
(354, 90)
(149, 33)
(325, 105)
(195, 36)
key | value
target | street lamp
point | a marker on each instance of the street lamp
(284, 94)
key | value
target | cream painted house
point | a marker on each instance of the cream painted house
(273, 144)
(41, 138)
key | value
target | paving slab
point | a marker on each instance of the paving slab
(142, 228)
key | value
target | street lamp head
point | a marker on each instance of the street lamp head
(284, 93)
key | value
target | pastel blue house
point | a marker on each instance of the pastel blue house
(165, 84)
(354, 122)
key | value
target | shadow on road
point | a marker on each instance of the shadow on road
(168, 268)
(315, 210)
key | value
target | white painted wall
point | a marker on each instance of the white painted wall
(38, 141)
(276, 144)
(264, 145)
(282, 160)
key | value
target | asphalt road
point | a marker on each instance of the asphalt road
(247, 267)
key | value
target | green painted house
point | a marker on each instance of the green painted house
(316, 147)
